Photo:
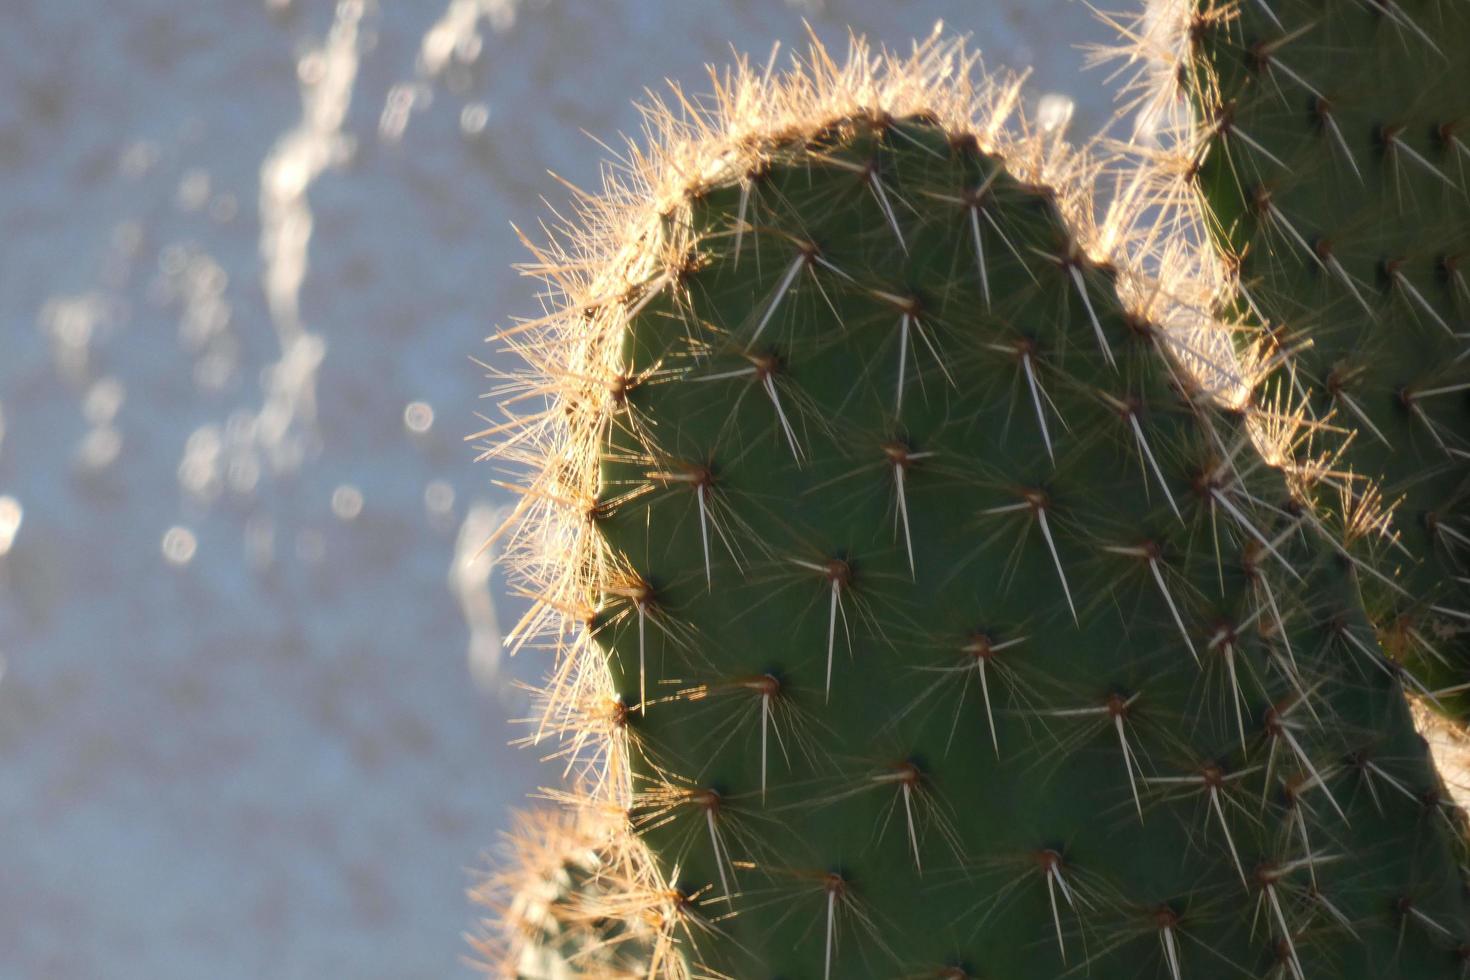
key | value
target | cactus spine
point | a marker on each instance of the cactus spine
(921, 612)
(1328, 150)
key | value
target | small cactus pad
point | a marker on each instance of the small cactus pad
(1332, 161)
(550, 899)
(959, 635)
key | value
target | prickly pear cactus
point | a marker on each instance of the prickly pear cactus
(953, 631)
(553, 902)
(1330, 153)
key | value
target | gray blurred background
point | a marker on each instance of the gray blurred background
(253, 711)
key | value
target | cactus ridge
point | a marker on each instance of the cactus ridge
(1327, 149)
(912, 598)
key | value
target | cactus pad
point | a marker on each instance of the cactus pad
(948, 630)
(1331, 154)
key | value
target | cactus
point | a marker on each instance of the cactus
(922, 612)
(1327, 153)
(553, 901)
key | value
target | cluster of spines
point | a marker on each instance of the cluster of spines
(1210, 690)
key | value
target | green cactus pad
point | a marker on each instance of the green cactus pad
(959, 635)
(1333, 163)
(559, 871)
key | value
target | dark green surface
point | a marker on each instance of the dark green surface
(1344, 96)
(904, 691)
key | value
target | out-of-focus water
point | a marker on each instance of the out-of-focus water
(253, 718)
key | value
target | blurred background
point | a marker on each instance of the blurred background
(253, 709)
